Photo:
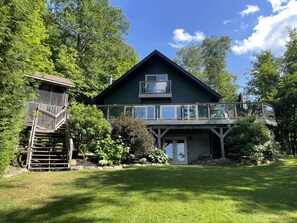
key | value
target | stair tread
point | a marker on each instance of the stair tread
(48, 150)
(49, 155)
(48, 159)
(48, 168)
(48, 164)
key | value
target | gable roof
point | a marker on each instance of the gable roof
(60, 81)
(156, 54)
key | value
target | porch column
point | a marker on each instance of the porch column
(159, 135)
(221, 135)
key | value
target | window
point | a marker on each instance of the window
(156, 83)
(170, 112)
(144, 112)
(156, 77)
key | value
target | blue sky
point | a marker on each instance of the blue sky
(167, 25)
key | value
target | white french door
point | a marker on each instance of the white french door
(176, 150)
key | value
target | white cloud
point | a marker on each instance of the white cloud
(225, 22)
(277, 5)
(182, 38)
(270, 32)
(243, 27)
(251, 9)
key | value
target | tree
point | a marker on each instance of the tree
(207, 61)
(88, 126)
(274, 80)
(22, 51)
(290, 56)
(265, 73)
(96, 32)
(286, 97)
(250, 138)
(191, 60)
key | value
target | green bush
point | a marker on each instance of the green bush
(158, 156)
(134, 134)
(10, 127)
(88, 125)
(250, 138)
(143, 160)
(111, 150)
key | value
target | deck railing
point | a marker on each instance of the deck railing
(155, 87)
(197, 111)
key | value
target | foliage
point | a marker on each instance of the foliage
(158, 156)
(104, 162)
(111, 150)
(265, 73)
(274, 80)
(22, 51)
(134, 134)
(207, 61)
(95, 33)
(88, 125)
(191, 59)
(143, 160)
(250, 138)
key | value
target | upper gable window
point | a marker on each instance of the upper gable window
(156, 77)
(156, 84)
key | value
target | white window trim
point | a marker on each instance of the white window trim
(151, 75)
(146, 108)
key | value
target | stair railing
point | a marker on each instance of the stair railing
(52, 121)
(31, 139)
(69, 144)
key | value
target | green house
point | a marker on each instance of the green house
(184, 114)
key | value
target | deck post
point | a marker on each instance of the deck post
(221, 135)
(222, 143)
(159, 135)
(159, 138)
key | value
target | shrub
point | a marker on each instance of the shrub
(158, 156)
(88, 125)
(134, 134)
(10, 127)
(104, 162)
(111, 150)
(250, 138)
(143, 160)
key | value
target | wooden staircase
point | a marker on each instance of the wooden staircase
(50, 148)
(49, 151)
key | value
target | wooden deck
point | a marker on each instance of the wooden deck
(199, 114)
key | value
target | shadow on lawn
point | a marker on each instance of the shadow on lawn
(60, 209)
(270, 188)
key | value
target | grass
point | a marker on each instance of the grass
(154, 194)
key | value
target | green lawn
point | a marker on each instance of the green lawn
(154, 194)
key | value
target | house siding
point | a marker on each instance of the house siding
(198, 146)
(182, 90)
